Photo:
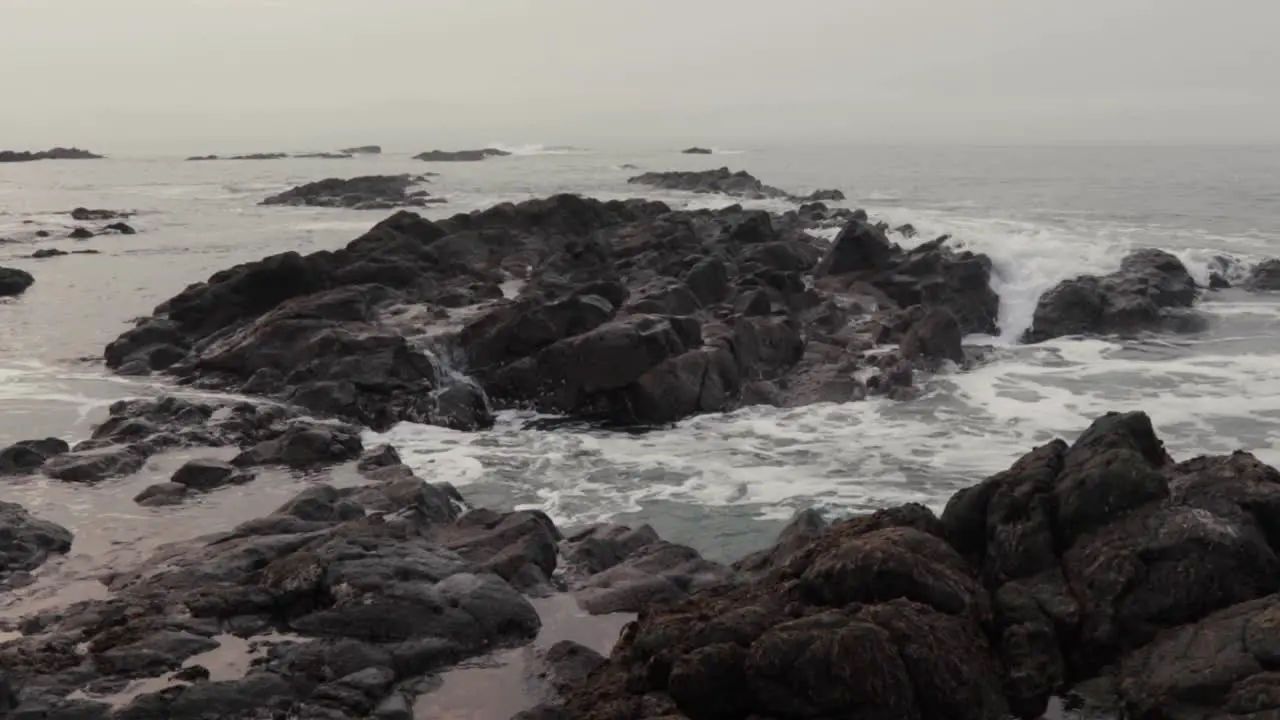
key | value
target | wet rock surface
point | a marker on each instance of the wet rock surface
(369, 192)
(26, 541)
(628, 312)
(1152, 290)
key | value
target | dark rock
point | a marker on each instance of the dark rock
(14, 282)
(860, 246)
(48, 253)
(26, 541)
(1149, 289)
(936, 336)
(80, 233)
(122, 228)
(1264, 277)
(162, 494)
(87, 215)
(203, 475)
(384, 191)
(26, 456)
(302, 447)
(363, 150)
(696, 151)
(324, 156)
(460, 155)
(96, 465)
(823, 196)
(42, 233)
(58, 153)
(379, 457)
(721, 181)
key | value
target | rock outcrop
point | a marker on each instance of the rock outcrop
(460, 155)
(58, 153)
(369, 192)
(696, 151)
(740, 184)
(1152, 290)
(363, 150)
(629, 312)
(14, 281)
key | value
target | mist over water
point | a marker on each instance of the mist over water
(722, 483)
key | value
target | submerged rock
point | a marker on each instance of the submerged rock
(14, 282)
(460, 155)
(1151, 290)
(696, 151)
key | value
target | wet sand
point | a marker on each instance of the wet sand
(503, 684)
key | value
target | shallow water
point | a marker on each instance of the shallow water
(725, 483)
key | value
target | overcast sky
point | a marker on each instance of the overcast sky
(219, 75)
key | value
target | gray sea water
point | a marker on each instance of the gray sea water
(722, 483)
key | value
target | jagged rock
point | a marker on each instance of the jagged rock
(1152, 289)
(301, 447)
(14, 282)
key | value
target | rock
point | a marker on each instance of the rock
(42, 233)
(96, 465)
(14, 282)
(203, 475)
(119, 227)
(80, 233)
(26, 542)
(26, 456)
(1146, 293)
(324, 156)
(363, 150)
(1264, 277)
(48, 253)
(460, 155)
(936, 336)
(823, 196)
(300, 447)
(58, 153)
(696, 151)
(860, 246)
(162, 494)
(87, 215)
(379, 457)
(722, 181)
(357, 193)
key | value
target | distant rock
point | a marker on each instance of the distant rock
(80, 233)
(14, 281)
(725, 182)
(460, 155)
(195, 158)
(363, 150)
(57, 153)
(48, 253)
(369, 192)
(696, 151)
(324, 155)
(86, 215)
(252, 156)
(1152, 290)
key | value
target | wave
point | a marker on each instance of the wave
(538, 149)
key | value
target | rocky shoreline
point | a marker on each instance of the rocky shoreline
(1100, 570)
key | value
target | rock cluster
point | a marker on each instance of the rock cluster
(629, 312)
(460, 155)
(58, 153)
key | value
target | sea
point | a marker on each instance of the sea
(724, 483)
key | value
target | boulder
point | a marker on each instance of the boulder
(26, 456)
(300, 447)
(204, 475)
(95, 465)
(14, 282)
(365, 192)
(1151, 290)
(80, 233)
(26, 541)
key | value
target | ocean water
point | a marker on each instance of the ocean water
(722, 483)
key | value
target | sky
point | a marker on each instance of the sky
(244, 75)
